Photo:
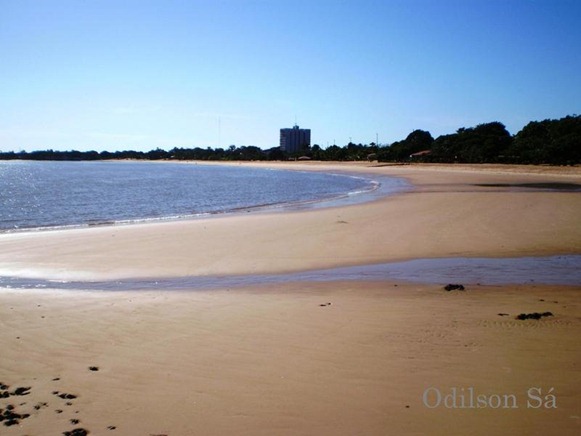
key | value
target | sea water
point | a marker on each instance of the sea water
(36, 195)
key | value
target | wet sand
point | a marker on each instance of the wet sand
(336, 358)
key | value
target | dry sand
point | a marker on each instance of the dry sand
(281, 360)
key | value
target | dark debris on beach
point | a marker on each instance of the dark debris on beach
(454, 287)
(9, 416)
(12, 413)
(76, 432)
(534, 315)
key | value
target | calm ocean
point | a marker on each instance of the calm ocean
(56, 194)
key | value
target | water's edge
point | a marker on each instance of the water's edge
(550, 270)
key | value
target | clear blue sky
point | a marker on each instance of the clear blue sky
(141, 74)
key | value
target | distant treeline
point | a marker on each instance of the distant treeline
(555, 142)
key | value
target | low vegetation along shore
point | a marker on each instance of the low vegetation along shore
(555, 142)
(336, 358)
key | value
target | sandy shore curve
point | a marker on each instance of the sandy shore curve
(451, 212)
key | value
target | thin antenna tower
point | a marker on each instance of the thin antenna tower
(219, 131)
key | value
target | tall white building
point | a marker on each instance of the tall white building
(294, 140)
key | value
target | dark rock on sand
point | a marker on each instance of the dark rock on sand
(93, 368)
(534, 315)
(454, 287)
(10, 417)
(4, 391)
(76, 432)
(21, 391)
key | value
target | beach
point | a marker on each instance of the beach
(335, 358)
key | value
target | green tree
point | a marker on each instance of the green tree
(484, 143)
(418, 140)
(555, 142)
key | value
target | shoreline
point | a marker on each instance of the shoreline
(460, 212)
(349, 168)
